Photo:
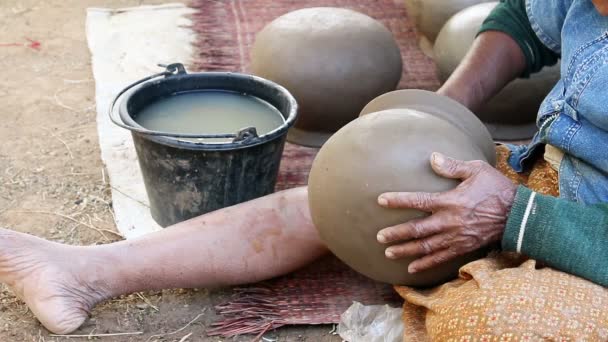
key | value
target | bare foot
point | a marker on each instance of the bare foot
(55, 281)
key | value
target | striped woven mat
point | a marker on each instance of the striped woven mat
(320, 293)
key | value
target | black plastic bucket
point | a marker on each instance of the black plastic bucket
(185, 179)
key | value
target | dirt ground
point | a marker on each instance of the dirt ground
(52, 182)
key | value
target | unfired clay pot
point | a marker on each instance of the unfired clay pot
(442, 107)
(332, 60)
(430, 15)
(382, 152)
(512, 112)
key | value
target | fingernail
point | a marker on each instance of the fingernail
(438, 159)
(382, 201)
(411, 269)
(389, 254)
(381, 238)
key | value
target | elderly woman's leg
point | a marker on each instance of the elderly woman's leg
(249, 242)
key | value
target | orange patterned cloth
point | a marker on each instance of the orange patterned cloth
(507, 297)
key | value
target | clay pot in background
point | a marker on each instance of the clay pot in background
(332, 60)
(512, 112)
(383, 151)
(430, 15)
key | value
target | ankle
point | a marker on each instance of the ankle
(95, 270)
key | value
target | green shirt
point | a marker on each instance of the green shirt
(567, 236)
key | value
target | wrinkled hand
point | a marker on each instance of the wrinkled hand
(471, 216)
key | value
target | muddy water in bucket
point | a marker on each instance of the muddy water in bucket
(210, 112)
(201, 144)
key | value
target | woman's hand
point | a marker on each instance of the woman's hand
(471, 216)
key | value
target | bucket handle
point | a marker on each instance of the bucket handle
(243, 135)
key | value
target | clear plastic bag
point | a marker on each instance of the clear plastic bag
(372, 323)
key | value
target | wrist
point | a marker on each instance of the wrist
(461, 91)
(454, 94)
(509, 198)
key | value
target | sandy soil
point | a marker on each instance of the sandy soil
(51, 177)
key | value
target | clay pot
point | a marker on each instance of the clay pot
(512, 112)
(381, 152)
(332, 60)
(430, 15)
(442, 107)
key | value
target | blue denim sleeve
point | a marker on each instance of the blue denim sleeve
(547, 19)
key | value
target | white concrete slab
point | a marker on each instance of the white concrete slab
(126, 45)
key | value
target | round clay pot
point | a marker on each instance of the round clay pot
(512, 112)
(382, 152)
(442, 107)
(332, 60)
(430, 15)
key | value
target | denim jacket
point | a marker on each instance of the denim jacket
(574, 116)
